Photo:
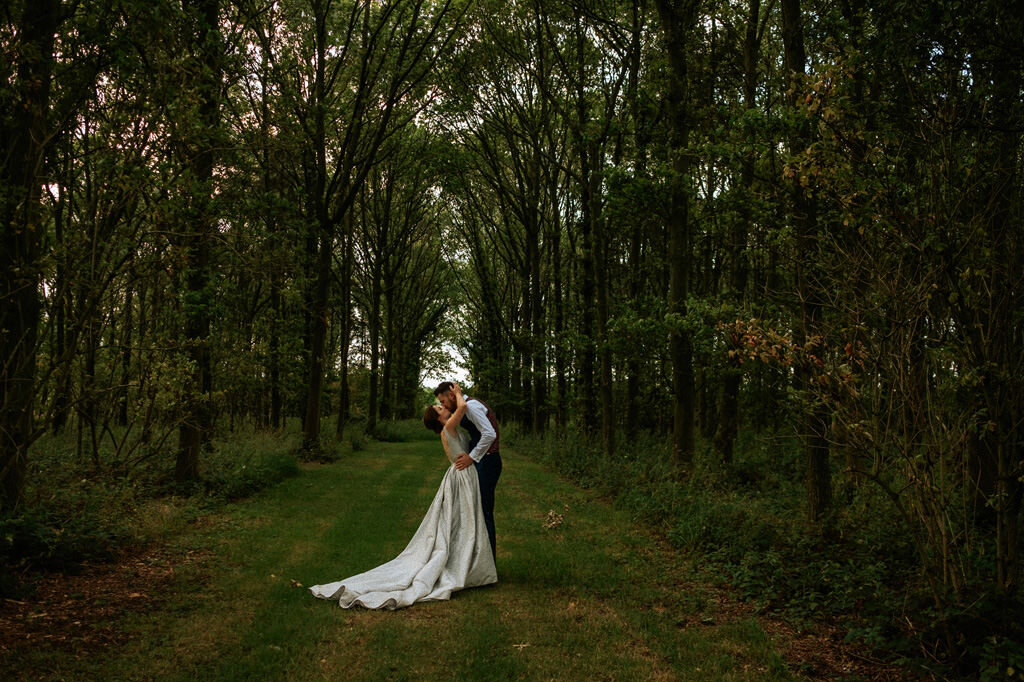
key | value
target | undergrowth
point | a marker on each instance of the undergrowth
(78, 509)
(84, 508)
(745, 523)
(403, 431)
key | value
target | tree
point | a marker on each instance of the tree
(366, 72)
(23, 137)
(678, 20)
(198, 143)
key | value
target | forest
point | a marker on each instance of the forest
(753, 268)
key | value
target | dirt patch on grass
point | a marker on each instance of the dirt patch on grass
(822, 654)
(80, 612)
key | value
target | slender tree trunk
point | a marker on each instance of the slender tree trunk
(538, 336)
(322, 244)
(345, 321)
(588, 217)
(605, 353)
(23, 135)
(815, 420)
(274, 351)
(195, 428)
(61, 398)
(88, 393)
(374, 329)
(678, 18)
(271, 223)
(561, 380)
(389, 356)
(318, 342)
(641, 137)
(522, 376)
(1000, 342)
(146, 390)
(728, 413)
(126, 354)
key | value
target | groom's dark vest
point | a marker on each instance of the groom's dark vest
(474, 433)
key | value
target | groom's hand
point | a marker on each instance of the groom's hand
(463, 461)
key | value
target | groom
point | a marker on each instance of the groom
(482, 426)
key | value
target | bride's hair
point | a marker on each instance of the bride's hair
(431, 421)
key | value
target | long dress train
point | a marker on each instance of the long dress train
(449, 551)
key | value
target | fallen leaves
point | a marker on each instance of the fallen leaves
(553, 520)
(80, 611)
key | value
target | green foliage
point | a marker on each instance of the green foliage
(234, 478)
(357, 440)
(1002, 658)
(75, 514)
(402, 431)
(745, 524)
(58, 540)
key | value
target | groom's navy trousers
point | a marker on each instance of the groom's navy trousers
(488, 469)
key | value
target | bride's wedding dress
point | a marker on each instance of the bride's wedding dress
(450, 550)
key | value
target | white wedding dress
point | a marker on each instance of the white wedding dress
(449, 552)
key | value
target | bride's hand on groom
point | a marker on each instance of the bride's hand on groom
(463, 461)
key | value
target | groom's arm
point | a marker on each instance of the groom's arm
(477, 413)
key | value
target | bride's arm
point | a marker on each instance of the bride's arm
(444, 442)
(460, 409)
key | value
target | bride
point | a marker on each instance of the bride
(450, 550)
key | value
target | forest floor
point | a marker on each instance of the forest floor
(584, 593)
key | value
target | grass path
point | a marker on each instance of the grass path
(583, 593)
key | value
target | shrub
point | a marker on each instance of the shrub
(252, 476)
(249, 462)
(48, 539)
(745, 522)
(76, 510)
(402, 431)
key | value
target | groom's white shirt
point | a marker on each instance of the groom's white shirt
(477, 413)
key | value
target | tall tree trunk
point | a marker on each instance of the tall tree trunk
(605, 352)
(538, 336)
(678, 19)
(88, 395)
(588, 217)
(274, 351)
(390, 355)
(323, 241)
(318, 341)
(728, 413)
(195, 428)
(561, 380)
(374, 329)
(345, 322)
(1001, 310)
(23, 137)
(272, 226)
(641, 137)
(61, 398)
(126, 353)
(815, 420)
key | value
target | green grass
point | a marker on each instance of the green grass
(593, 598)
